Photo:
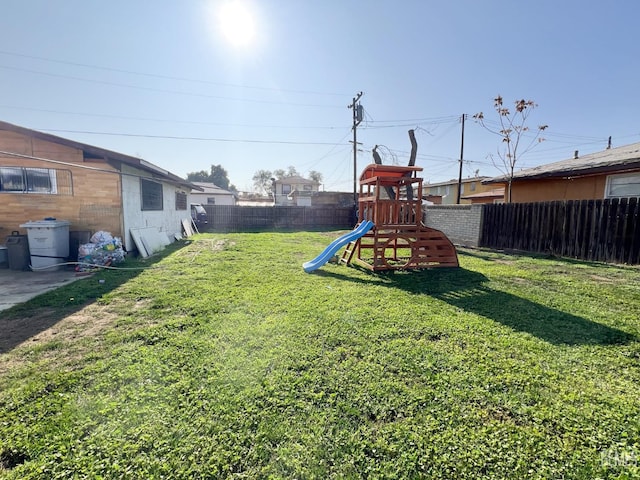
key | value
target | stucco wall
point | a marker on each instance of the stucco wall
(461, 223)
(167, 220)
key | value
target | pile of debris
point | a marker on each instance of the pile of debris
(102, 251)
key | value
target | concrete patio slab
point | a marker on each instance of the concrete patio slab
(18, 286)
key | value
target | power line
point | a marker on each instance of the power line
(161, 90)
(169, 77)
(337, 144)
(162, 120)
(172, 137)
(443, 119)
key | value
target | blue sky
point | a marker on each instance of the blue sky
(158, 79)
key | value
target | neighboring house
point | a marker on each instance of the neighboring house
(448, 191)
(42, 175)
(211, 194)
(611, 173)
(490, 196)
(252, 199)
(333, 199)
(294, 190)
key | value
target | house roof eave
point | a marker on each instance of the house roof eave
(109, 156)
(570, 173)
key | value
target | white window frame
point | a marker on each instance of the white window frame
(613, 183)
(28, 186)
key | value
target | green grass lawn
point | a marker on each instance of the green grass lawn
(223, 359)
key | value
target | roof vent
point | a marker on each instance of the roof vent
(575, 154)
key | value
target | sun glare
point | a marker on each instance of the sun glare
(236, 23)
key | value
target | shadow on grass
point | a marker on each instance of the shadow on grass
(468, 290)
(27, 320)
(492, 255)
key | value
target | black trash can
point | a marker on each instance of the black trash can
(18, 251)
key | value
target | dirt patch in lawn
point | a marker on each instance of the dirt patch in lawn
(37, 330)
(601, 279)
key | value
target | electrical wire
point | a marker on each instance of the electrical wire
(169, 77)
(161, 120)
(313, 163)
(173, 92)
(173, 137)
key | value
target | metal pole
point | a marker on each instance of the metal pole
(356, 122)
(461, 159)
(355, 155)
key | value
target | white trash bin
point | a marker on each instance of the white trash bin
(48, 244)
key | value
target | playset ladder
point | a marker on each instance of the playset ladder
(349, 250)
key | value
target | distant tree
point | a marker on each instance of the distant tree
(315, 176)
(262, 181)
(201, 176)
(217, 175)
(262, 178)
(511, 128)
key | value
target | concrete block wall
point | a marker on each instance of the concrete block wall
(461, 223)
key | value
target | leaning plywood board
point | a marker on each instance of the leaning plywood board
(137, 239)
(149, 240)
(186, 225)
(153, 240)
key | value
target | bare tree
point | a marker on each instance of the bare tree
(511, 128)
(262, 181)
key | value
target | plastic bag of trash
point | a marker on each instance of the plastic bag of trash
(86, 249)
(101, 237)
(104, 250)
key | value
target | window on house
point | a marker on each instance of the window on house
(473, 186)
(627, 185)
(48, 181)
(151, 194)
(181, 201)
(211, 200)
(12, 179)
(307, 188)
(286, 189)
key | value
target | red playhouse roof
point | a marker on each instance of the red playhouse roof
(374, 170)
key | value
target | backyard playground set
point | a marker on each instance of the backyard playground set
(390, 234)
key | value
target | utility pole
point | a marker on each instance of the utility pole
(357, 118)
(461, 160)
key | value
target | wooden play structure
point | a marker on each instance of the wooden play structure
(391, 197)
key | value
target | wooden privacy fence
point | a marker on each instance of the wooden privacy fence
(234, 218)
(596, 230)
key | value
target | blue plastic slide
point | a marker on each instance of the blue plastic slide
(336, 245)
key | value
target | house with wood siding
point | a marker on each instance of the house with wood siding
(448, 191)
(42, 175)
(610, 173)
